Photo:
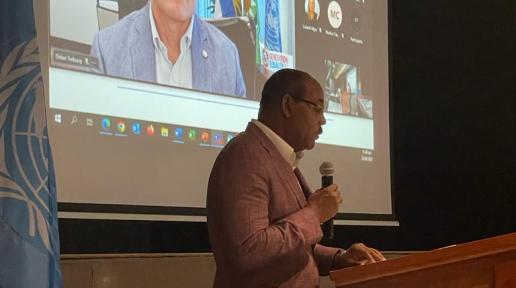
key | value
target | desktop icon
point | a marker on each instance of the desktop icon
(178, 133)
(192, 134)
(120, 126)
(217, 138)
(205, 137)
(89, 122)
(58, 118)
(164, 131)
(74, 120)
(106, 124)
(137, 128)
(150, 130)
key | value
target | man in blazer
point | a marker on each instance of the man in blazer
(165, 42)
(263, 219)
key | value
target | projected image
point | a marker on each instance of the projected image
(270, 36)
(343, 91)
(143, 94)
(224, 47)
(275, 39)
(164, 43)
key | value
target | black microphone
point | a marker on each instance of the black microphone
(327, 170)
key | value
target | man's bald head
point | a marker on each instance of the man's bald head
(283, 82)
(292, 105)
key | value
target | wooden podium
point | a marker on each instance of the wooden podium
(485, 263)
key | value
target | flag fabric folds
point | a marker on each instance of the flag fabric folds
(29, 238)
(272, 26)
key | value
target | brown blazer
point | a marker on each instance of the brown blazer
(261, 233)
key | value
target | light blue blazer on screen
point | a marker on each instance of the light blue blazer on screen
(126, 50)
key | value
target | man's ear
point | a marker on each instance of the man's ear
(286, 106)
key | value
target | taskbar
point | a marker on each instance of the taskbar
(110, 126)
(117, 127)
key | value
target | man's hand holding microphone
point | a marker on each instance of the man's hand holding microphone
(325, 202)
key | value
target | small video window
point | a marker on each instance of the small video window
(312, 10)
(343, 91)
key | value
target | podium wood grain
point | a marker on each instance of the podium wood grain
(486, 263)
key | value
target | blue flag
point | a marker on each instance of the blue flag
(272, 26)
(205, 9)
(29, 239)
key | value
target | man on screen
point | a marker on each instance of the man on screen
(263, 220)
(165, 42)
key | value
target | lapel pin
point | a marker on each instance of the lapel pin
(204, 54)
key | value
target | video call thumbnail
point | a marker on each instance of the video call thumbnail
(343, 93)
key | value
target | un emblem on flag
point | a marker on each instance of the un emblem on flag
(24, 170)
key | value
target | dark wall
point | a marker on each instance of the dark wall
(453, 118)
(454, 107)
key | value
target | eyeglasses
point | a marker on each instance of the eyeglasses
(317, 108)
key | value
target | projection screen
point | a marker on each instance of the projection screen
(133, 140)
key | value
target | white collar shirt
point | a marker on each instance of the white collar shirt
(286, 151)
(168, 73)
